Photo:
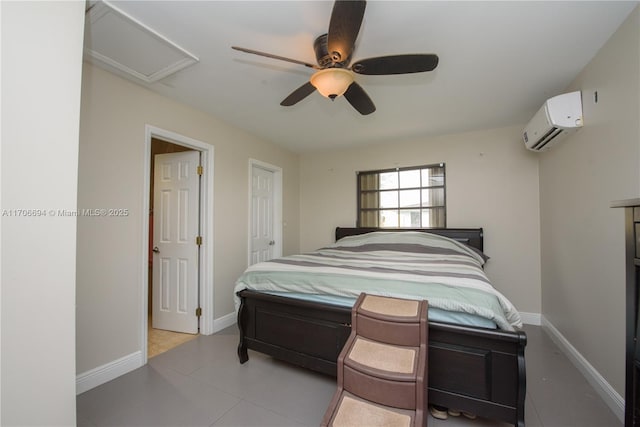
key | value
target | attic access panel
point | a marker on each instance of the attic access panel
(121, 43)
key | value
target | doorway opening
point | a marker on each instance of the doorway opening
(178, 245)
(160, 340)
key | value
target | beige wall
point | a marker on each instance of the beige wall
(40, 117)
(582, 238)
(492, 182)
(554, 204)
(110, 260)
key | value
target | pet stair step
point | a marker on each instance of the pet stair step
(382, 373)
(392, 309)
(388, 361)
(399, 394)
(389, 320)
(354, 411)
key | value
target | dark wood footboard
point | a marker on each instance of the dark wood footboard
(471, 369)
(481, 371)
(304, 333)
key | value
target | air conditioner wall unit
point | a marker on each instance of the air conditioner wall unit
(557, 118)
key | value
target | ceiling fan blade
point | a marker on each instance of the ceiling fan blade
(346, 19)
(396, 64)
(298, 95)
(359, 99)
(269, 55)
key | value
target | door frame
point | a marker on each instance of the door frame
(277, 206)
(206, 228)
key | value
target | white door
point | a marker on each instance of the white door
(262, 220)
(176, 195)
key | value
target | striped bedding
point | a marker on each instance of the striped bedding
(407, 264)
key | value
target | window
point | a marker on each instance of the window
(412, 197)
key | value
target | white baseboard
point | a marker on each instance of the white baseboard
(531, 318)
(102, 374)
(107, 372)
(611, 397)
(224, 322)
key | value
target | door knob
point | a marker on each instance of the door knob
(272, 242)
(156, 250)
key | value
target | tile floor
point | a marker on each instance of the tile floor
(201, 383)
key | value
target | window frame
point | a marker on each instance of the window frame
(398, 208)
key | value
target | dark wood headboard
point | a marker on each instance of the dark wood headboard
(471, 236)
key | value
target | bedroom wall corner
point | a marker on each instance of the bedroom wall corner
(582, 238)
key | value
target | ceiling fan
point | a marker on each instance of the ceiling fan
(334, 76)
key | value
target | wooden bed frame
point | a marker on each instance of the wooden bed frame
(476, 370)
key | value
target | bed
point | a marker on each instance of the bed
(474, 367)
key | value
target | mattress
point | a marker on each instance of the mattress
(434, 314)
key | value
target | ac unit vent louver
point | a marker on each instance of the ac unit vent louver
(554, 121)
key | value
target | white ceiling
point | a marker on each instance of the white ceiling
(499, 61)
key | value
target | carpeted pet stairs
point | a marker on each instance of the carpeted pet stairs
(382, 369)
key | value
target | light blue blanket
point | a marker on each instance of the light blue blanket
(411, 265)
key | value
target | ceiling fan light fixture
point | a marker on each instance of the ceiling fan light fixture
(332, 82)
